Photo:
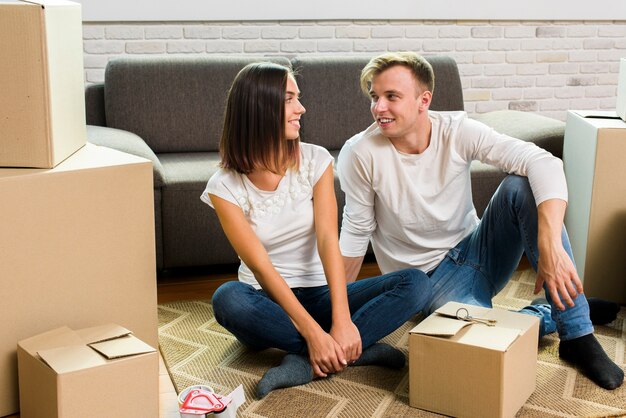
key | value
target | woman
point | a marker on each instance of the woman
(275, 199)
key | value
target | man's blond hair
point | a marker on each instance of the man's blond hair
(421, 69)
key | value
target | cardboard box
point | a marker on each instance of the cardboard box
(102, 371)
(467, 369)
(42, 104)
(76, 249)
(621, 90)
(593, 159)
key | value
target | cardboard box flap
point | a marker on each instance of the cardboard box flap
(44, 3)
(597, 114)
(102, 333)
(124, 346)
(444, 323)
(493, 338)
(71, 358)
(460, 310)
(440, 326)
(59, 337)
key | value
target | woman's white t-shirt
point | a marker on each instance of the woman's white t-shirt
(282, 219)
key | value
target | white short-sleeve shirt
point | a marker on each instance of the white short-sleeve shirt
(282, 219)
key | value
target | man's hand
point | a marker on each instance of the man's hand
(347, 335)
(325, 354)
(557, 271)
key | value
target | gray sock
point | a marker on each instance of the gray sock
(381, 354)
(294, 370)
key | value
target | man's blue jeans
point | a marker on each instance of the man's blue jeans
(481, 264)
(378, 306)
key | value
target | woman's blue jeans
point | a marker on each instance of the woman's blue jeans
(481, 264)
(378, 306)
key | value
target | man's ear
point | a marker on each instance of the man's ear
(425, 98)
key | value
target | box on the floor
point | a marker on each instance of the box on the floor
(102, 371)
(42, 102)
(76, 249)
(593, 159)
(469, 369)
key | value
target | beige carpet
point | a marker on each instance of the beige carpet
(197, 350)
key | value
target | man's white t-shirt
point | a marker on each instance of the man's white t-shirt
(282, 219)
(416, 207)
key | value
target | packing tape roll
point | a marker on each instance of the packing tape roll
(183, 394)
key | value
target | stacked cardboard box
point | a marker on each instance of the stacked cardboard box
(77, 234)
(42, 105)
(76, 249)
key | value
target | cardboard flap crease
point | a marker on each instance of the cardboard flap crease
(444, 323)
(71, 358)
(102, 333)
(128, 345)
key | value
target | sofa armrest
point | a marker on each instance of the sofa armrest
(126, 142)
(94, 105)
(546, 132)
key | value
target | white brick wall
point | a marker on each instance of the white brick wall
(544, 67)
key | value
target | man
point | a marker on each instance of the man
(407, 185)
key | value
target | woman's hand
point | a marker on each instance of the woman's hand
(325, 354)
(347, 335)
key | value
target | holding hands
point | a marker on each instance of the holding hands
(332, 352)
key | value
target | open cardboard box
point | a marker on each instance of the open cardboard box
(42, 99)
(102, 371)
(461, 368)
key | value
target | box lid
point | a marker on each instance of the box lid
(445, 322)
(71, 358)
(45, 3)
(59, 337)
(65, 350)
(102, 333)
(601, 119)
(124, 346)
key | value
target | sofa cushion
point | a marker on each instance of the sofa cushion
(192, 235)
(330, 91)
(545, 132)
(175, 104)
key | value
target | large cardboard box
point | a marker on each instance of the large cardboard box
(103, 371)
(76, 249)
(593, 157)
(467, 369)
(42, 104)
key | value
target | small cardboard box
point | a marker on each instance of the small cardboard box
(42, 102)
(593, 159)
(76, 249)
(467, 369)
(102, 371)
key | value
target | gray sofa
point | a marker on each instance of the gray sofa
(170, 110)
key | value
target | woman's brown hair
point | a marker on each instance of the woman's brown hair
(254, 121)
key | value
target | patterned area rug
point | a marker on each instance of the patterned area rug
(197, 350)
